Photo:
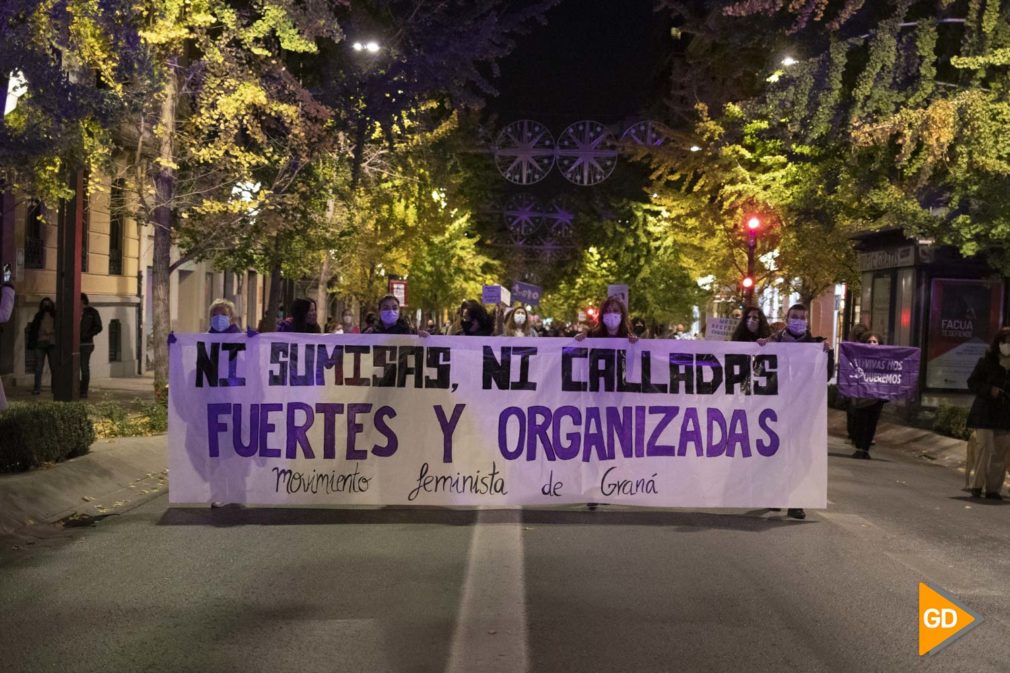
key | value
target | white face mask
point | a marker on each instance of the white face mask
(1004, 350)
(797, 326)
(612, 320)
(219, 322)
(752, 324)
(520, 319)
(389, 317)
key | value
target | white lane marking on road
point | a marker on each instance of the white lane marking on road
(490, 634)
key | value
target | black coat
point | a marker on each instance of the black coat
(91, 325)
(401, 326)
(988, 412)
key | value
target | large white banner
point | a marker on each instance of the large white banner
(300, 419)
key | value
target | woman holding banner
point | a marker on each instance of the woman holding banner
(865, 413)
(613, 324)
(474, 320)
(517, 324)
(753, 325)
(390, 321)
(990, 416)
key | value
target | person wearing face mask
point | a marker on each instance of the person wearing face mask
(990, 416)
(613, 322)
(796, 331)
(639, 328)
(517, 324)
(753, 325)
(865, 412)
(222, 317)
(474, 320)
(42, 340)
(347, 325)
(390, 321)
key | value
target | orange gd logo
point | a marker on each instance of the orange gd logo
(942, 620)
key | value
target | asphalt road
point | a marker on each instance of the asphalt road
(418, 590)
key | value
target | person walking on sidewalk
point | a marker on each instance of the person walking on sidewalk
(6, 308)
(91, 326)
(865, 414)
(990, 416)
(42, 340)
(797, 331)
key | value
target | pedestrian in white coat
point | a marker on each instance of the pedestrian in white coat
(6, 308)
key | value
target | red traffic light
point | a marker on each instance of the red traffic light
(754, 223)
(591, 312)
(747, 282)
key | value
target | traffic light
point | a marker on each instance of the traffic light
(753, 224)
(747, 283)
(591, 313)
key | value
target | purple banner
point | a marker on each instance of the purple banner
(878, 372)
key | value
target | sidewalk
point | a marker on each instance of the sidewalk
(924, 444)
(116, 473)
(124, 389)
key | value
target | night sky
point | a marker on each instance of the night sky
(595, 59)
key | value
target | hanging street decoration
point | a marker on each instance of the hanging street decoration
(648, 133)
(524, 152)
(523, 217)
(587, 153)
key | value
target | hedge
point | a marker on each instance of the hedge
(951, 420)
(32, 433)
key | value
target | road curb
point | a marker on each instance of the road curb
(115, 474)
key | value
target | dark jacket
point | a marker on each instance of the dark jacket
(288, 325)
(91, 325)
(401, 326)
(33, 330)
(988, 412)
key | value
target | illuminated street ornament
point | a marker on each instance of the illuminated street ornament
(560, 219)
(524, 152)
(587, 153)
(647, 133)
(523, 218)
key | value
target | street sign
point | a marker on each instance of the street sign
(527, 293)
(496, 294)
(398, 288)
(719, 329)
(619, 291)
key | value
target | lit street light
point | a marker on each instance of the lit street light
(788, 61)
(372, 47)
(695, 148)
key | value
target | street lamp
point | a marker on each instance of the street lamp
(371, 46)
(789, 61)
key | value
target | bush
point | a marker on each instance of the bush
(951, 421)
(43, 432)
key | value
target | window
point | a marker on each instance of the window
(115, 341)
(117, 208)
(35, 242)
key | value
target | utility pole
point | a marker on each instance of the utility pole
(66, 381)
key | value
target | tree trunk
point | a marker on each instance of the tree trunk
(274, 302)
(164, 187)
(322, 295)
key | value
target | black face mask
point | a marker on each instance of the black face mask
(48, 308)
